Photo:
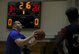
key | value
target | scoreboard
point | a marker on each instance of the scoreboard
(28, 13)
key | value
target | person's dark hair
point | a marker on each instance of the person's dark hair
(72, 14)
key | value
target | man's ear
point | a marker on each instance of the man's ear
(14, 25)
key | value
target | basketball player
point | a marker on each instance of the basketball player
(16, 40)
(70, 33)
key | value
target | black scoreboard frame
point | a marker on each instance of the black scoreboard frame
(21, 11)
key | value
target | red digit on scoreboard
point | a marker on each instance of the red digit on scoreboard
(36, 8)
(11, 9)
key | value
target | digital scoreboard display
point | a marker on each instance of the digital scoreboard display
(28, 13)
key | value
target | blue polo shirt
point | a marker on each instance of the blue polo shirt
(11, 46)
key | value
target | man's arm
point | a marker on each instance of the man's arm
(29, 40)
(21, 42)
(61, 35)
(59, 40)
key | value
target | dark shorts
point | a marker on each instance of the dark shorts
(26, 51)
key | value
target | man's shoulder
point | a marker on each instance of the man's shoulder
(13, 32)
(72, 27)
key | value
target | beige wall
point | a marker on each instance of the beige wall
(52, 18)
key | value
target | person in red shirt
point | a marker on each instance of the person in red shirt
(70, 33)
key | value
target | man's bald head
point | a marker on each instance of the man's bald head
(17, 25)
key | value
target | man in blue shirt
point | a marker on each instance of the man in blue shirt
(16, 40)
